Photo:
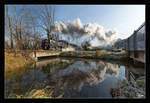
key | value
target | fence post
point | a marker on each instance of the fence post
(128, 48)
(135, 43)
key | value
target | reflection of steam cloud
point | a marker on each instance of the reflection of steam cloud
(80, 72)
(91, 30)
(112, 69)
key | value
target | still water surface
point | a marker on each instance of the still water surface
(79, 78)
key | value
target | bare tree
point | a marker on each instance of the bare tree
(30, 30)
(23, 27)
(17, 34)
(16, 25)
(36, 37)
(16, 28)
(86, 45)
(47, 19)
(10, 27)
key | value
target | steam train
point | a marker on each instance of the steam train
(57, 45)
(45, 44)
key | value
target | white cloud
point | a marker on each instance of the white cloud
(78, 30)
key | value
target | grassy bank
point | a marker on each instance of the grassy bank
(98, 54)
(47, 92)
(15, 63)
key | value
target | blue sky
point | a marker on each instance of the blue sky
(124, 18)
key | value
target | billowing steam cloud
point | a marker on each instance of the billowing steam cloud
(90, 30)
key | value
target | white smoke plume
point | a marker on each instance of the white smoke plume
(76, 28)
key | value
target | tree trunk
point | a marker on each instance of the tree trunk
(10, 27)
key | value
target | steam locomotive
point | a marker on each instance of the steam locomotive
(45, 44)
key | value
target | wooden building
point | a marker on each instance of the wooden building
(135, 44)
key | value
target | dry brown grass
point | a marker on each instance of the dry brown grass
(18, 61)
(15, 64)
(41, 93)
(97, 53)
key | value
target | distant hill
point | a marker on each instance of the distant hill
(119, 39)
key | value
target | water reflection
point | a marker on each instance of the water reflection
(84, 72)
(73, 77)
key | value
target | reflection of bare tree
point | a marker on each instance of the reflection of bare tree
(79, 73)
(53, 64)
(44, 63)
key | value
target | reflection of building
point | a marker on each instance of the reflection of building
(135, 44)
(133, 74)
(129, 75)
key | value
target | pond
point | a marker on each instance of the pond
(75, 78)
